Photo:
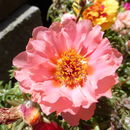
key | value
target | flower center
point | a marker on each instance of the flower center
(71, 69)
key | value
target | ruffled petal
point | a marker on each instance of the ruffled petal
(75, 34)
(23, 76)
(41, 48)
(42, 72)
(104, 60)
(105, 84)
(57, 41)
(56, 26)
(58, 105)
(32, 56)
(38, 29)
(83, 96)
(20, 60)
(93, 39)
(84, 114)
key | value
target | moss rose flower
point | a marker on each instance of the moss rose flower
(101, 12)
(67, 68)
(123, 22)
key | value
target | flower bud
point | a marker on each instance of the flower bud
(30, 112)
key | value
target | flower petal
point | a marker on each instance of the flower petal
(105, 84)
(84, 114)
(38, 29)
(93, 39)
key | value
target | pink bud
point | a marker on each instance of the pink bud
(30, 113)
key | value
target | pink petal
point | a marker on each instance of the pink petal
(58, 105)
(107, 94)
(83, 29)
(45, 109)
(82, 96)
(93, 39)
(20, 60)
(41, 48)
(84, 26)
(76, 34)
(68, 16)
(25, 82)
(56, 26)
(105, 84)
(105, 60)
(46, 70)
(38, 29)
(30, 57)
(69, 27)
(50, 89)
(84, 114)
(56, 40)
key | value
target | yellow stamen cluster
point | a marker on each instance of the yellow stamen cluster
(71, 69)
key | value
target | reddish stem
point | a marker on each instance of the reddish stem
(9, 115)
(80, 14)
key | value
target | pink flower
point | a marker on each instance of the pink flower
(67, 68)
(118, 25)
(122, 22)
(127, 6)
(124, 17)
(67, 16)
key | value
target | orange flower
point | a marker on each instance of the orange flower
(102, 12)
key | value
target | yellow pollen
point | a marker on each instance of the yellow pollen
(71, 69)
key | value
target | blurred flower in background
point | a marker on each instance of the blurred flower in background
(122, 24)
(127, 6)
(100, 12)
